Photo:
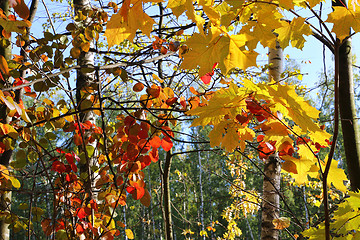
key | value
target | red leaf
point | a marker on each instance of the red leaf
(171, 101)
(130, 189)
(136, 191)
(2, 147)
(143, 134)
(286, 149)
(128, 121)
(132, 151)
(59, 225)
(168, 131)
(69, 158)
(166, 143)
(154, 91)
(266, 148)
(81, 213)
(58, 167)
(59, 150)
(207, 77)
(144, 145)
(183, 102)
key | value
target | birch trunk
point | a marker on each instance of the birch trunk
(83, 81)
(5, 157)
(272, 168)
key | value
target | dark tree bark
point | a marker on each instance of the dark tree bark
(349, 121)
(167, 198)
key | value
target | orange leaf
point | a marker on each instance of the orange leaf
(79, 228)
(289, 166)
(163, 50)
(155, 142)
(154, 155)
(154, 91)
(4, 172)
(45, 225)
(81, 213)
(281, 223)
(4, 66)
(166, 143)
(77, 140)
(124, 10)
(138, 87)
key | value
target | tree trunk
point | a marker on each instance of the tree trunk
(201, 196)
(167, 198)
(5, 157)
(271, 199)
(349, 122)
(272, 168)
(83, 81)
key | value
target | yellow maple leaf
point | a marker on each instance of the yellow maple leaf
(344, 19)
(226, 50)
(300, 172)
(293, 31)
(336, 176)
(180, 6)
(299, 110)
(124, 24)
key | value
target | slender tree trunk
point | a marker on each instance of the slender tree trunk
(201, 196)
(6, 156)
(349, 122)
(167, 198)
(124, 212)
(275, 63)
(272, 168)
(83, 81)
(151, 212)
(271, 199)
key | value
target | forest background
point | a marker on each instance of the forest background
(97, 100)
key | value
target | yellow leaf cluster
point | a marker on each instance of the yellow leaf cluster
(124, 24)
